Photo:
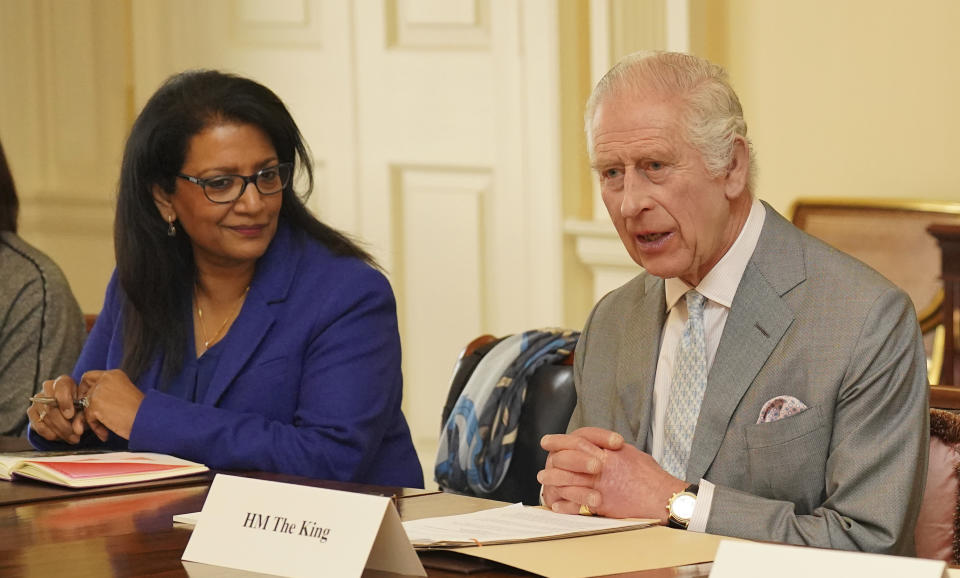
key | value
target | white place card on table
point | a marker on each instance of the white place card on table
(736, 559)
(291, 530)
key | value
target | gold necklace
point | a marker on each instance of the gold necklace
(216, 336)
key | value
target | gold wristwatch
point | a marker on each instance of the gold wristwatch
(680, 507)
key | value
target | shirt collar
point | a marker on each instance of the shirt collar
(720, 284)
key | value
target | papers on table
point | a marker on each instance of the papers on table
(189, 519)
(90, 470)
(510, 524)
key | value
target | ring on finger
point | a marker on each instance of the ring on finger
(585, 510)
(41, 413)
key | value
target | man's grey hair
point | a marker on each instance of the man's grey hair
(712, 115)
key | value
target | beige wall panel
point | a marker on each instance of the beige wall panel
(64, 127)
(849, 99)
(72, 119)
(426, 107)
(301, 49)
(277, 23)
(85, 113)
(471, 84)
(22, 52)
(440, 226)
(78, 235)
(460, 108)
(438, 24)
(275, 14)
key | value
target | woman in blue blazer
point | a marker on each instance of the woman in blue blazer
(238, 330)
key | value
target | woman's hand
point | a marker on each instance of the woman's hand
(113, 402)
(60, 421)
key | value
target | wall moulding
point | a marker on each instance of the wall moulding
(277, 23)
(67, 215)
(440, 230)
(598, 246)
(438, 24)
(439, 221)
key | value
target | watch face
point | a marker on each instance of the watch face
(682, 506)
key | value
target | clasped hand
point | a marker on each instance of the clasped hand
(594, 467)
(113, 402)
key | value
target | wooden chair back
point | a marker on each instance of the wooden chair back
(891, 236)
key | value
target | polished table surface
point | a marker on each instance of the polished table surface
(129, 531)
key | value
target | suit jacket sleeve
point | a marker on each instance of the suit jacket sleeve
(40, 339)
(876, 468)
(576, 418)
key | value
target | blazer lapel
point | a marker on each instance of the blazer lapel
(635, 376)
(271, 284)
(757, 321)
(246, 334)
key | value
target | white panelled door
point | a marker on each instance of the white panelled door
(433, 124)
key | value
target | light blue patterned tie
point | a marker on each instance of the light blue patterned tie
(689, 381)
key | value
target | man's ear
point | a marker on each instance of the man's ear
(161, 199)
(738, 170)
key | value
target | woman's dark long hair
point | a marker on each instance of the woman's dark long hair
(157, 271)
(9, 204)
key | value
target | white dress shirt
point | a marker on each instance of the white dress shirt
(719, 287)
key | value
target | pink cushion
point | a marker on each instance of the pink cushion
(935, 527)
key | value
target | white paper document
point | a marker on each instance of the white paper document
(189, 519)
(515, 523)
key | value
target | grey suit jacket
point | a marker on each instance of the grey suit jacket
(41, 328)
(807, 321)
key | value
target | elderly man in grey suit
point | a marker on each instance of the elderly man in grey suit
(753, 381)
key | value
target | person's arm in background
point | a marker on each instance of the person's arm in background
(20, 351)
(64, 329)
(41, 335)
(93, 356)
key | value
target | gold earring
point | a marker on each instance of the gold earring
(171, 230)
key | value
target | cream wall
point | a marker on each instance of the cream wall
(65, 108)
(853, 98)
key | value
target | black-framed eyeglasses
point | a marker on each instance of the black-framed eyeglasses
(223, 189)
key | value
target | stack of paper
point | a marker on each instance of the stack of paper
(86, 470)
(509, 525)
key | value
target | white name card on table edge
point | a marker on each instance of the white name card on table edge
(736, 559)
(291, 530)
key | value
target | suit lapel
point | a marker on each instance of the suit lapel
(635, 375)
(246, 335)
(271, 284)
(757, 321)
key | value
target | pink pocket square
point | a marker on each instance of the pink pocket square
(780, 407)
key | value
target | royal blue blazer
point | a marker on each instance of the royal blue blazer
(308, 380)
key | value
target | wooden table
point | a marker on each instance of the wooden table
(129, 531)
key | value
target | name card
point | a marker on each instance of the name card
(291, 530)
(737, 559)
